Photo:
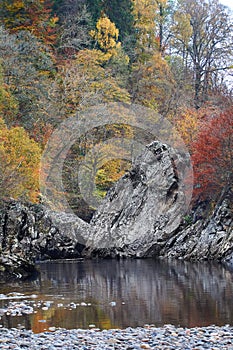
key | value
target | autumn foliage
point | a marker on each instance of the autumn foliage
(59, 58)
(19, 163)
(213, 156)
(34, 16)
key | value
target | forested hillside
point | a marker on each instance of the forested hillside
(60, 57)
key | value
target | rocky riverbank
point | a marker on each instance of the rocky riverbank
(143, 215)
(148, 337)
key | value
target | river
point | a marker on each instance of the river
(121, 293)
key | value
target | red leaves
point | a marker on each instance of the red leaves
(213, 155)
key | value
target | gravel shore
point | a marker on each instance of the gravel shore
(148, 337)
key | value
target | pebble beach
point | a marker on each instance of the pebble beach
(147, 337)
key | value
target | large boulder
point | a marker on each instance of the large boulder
(41, 233)
(143, 209)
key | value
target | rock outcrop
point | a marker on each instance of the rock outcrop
(143, 209)
(208, 238)
(143, 215)
(41, 233)
(32, 232)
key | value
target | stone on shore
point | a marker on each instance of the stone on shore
(167, 337)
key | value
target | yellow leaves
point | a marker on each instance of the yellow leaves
(88, 58)
(182, 29)
(15, 13)
(153, 83)
(53, 21)
(15, 6)
(110, 172)
(106, 34)
(145, 23)
(87, 81)
(187, 124)
(19, 162)
(8, 104)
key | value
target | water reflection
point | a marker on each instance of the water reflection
(126, 293)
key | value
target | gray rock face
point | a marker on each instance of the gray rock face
(143, 216)
(143, 209)
(59, 235)
(29, 232)
(15, 266)
(206, 239)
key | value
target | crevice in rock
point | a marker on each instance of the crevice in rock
(4, 230)
(170, 192)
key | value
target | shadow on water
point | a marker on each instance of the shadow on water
(121, 293)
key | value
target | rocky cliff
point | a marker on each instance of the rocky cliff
(143, 215)
(143, 209)
(209, 238)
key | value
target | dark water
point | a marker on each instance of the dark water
(125, 293)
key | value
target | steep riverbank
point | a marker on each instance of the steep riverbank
(143, 215)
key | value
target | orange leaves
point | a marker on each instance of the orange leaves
(209, 136)
(34, 16)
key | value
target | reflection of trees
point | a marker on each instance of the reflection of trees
(156, 292)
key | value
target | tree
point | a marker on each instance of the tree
(182, 32)
(152, 19)
(152, 84)
(187, 123)
(32, 15)
(95, 8)
(145, 25)
(75, 24)
(119, 12)
(165, 9)
(106, 35)
(28, 69)
(19, 161)
(85, 82)
(202, 35)
(213, 156)
(8, 104)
